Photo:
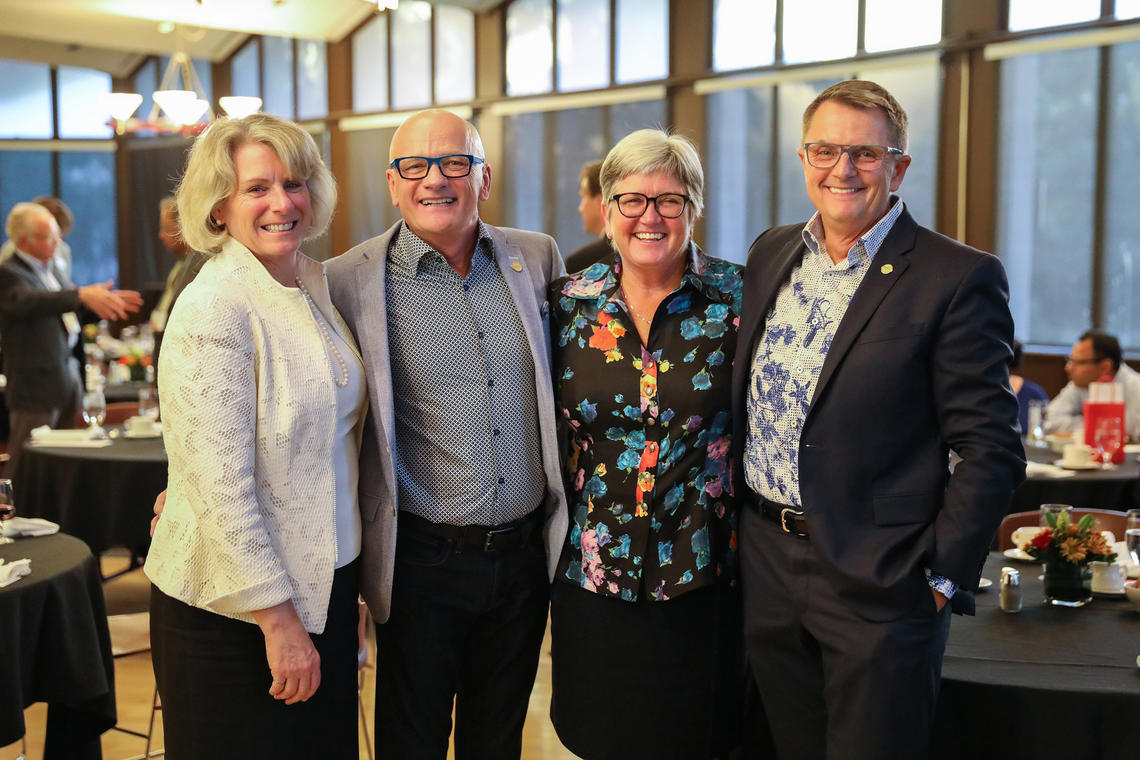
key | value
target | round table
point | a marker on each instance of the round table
(1045, 682)
(104, 496)
(128, 391)
(1099, 489)
(57, 649)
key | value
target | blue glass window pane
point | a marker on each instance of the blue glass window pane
(81, 112)
(203, 69)
(1121, 280)
(524, 157)
(530, 47)
(411, 55)
(370, 66)
(146, 82)
(454, 54)
(642, 40)
(791, 100)
(312, 79)
(579, 137)
(583, 44)
(24, 174)
(278, 96)
(25, 100)
(245, 71)
(87, 186)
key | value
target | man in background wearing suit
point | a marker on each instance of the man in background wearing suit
(591, 207)
(39, 328)
(460, 450)
(869, 348)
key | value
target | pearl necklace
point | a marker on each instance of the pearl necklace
(342, 381)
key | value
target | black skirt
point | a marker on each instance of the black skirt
(646, 679)
(214, 682)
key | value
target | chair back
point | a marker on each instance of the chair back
(1106, 519)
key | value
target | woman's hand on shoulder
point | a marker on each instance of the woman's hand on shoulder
(293, 660)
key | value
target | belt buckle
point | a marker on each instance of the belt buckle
(490, 539)
(784, 520)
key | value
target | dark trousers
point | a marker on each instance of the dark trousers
(833, 684)
(465, 627)
(22, 422)
(214, 682)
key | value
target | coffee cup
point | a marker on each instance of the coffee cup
(139, 425)
(1076, 455)
(1107, 577)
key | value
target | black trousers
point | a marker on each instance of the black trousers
(465, 628)
(833, 684)
(214, 681)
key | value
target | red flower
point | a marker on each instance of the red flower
(603, 339)
(1041, 540)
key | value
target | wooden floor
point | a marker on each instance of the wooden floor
(134, 684)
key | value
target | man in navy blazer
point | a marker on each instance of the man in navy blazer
(870, 347)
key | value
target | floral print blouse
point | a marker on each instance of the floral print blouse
(648, 430)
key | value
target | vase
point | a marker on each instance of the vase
(1066, 584)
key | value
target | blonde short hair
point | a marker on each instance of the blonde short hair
(868, 96)
(210, 177)
(648, 151)
(20, 219)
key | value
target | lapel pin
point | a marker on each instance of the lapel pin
(516, 266)
(886, 269)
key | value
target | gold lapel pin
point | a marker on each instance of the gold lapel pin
(886, 269)
(516, 266)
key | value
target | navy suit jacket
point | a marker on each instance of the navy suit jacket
(918, 366)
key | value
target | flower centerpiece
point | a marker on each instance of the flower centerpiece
(137, 362)
(1066, 548)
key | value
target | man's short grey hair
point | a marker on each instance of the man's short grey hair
(869, 96)
(210, 176)
(20, 219)
(648, 151)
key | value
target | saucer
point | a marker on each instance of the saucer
(1019, 555)
(1066, 466)
(985, 583)
(142, 433)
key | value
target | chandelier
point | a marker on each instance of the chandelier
(180, 102)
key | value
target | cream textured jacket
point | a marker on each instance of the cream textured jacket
(249, 416)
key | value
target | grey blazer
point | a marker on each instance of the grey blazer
(528, 261)
(36, 354)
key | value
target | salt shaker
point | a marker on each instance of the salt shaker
(1010, 595)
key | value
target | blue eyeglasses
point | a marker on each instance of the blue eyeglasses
(453, 165)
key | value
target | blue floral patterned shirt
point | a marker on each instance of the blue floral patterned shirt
(648, 430)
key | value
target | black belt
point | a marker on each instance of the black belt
(790, 519)
(486, 538)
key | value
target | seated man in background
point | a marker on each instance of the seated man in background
(39, 327)
(1094, 356)
(593, 221)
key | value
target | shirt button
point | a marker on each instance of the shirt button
(496, 431)
(490, 383)
(466, 286)
(649, 365)
(502, 480)
(651, 421)
(481, 334)
(653, 447)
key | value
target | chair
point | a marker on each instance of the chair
(117, 412)
(1107, 519)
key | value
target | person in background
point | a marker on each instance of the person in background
(869, 348)
(1095, 357)
(185, 269)
(254, 561)
(39, 325)
(1026, 390)
(646, 652)
(66, 221)
(591, 207)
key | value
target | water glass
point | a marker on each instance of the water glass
(94, 411)
(7, 505)
(1036, 424)
(148, 402)
(1132, 534)
(1053, 511)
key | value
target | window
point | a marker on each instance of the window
(744, 34)
(530, 47)
(642, 28)
(820, 30)
(411, 55)
(277, 76)
(312, 80)
(1047, 173)
(1034, 14)
(894, 24)
(81, 114)
(25, 101)
(245, 71)
(583, 44)
(87, 186)
(370, 66)
(454, 54)
(1120, 282)
(24, 174)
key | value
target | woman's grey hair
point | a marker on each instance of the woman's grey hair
(210, 177)
(648, 151)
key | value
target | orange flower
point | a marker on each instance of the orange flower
(1072, 550)
(602, 339)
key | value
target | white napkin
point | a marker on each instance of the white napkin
(28, 526)
(10, 572)
(1023, 535)
(45, 436)
(1047, 470)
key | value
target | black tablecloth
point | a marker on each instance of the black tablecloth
(128, 391)
(56, 647)
(1046, 682)
(1099, 489)
(102, 496)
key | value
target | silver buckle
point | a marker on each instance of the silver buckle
(491, 536)
(784, 520)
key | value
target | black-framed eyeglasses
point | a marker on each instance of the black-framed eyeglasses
(633, 205)
(824, 155)
(453, 165)
(1093, 360)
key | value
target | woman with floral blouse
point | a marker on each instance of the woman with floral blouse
(644, 620)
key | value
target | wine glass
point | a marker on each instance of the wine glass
(1106, 438)
(7, 505)
(94, 412)
(148, 403)
(1036, 432)
(1132, 534)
